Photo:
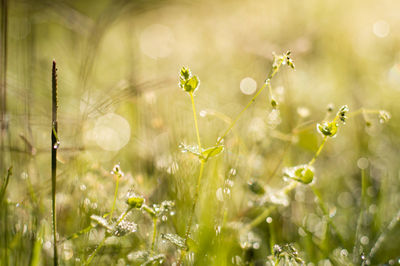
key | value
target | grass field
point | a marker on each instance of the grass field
(199, 132)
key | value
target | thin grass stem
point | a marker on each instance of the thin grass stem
(383, 235)
(220, 139)
(115, 197)
(54, 147)
(195, 122)
(154, 234)
(356, 248)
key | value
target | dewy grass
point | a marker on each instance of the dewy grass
(54, 146)
(190, 84)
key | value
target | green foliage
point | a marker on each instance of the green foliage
(187, 82)
(328, 129)
(301, 173)
(134, 200)
(285, 255)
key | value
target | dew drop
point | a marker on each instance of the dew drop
(232, 172)
(203, 113)
(364, 240)
(56, 145)
(269, 220)
(256, 245)
(218, 230)
(344, 253)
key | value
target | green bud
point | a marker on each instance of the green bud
(187, 82)
(342, 113)
(255, 187)
(301, 173)
(134, 201)
(328, 128)
(274, 103)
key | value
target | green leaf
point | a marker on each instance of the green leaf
(101, 221)
(176, 240)
(328, 129)
(187, 82)
(301, 173)
(185, 73)
(211, 152)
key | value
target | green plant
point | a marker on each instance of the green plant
(55, 143)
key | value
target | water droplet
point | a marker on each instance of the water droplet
(232, 172)
(219, 194)
(47, 245)
(269, 220)
(56, 145)
(24, 175)
(229, 183)
(344, 253)
(364, 240)
(218, 230)
(256, 245)
(248, 86)
(227, 191)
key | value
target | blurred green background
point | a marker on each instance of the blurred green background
(119, 102)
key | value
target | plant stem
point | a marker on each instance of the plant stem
(383, 235)
(266, 83)
(292, 185)
(54, 146)
(115, 197)
(240, 114)
(326, 213)
(195, 122)
(356, 248)
(196, 197)
(321, 146)
(154, 234)
(5, 184)
(89, 260)
(3, 78)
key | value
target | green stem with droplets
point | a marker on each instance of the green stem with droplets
(154, 234)
(195, 122)
(115, 197)
(89, 260)
(240, 114)
(356, 248)
(54, 146)
(286, 190)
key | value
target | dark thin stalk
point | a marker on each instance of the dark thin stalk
(5, 184)
(54, 146)
(6, 233)
(3, 76)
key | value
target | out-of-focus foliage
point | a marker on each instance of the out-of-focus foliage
(121, 101)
